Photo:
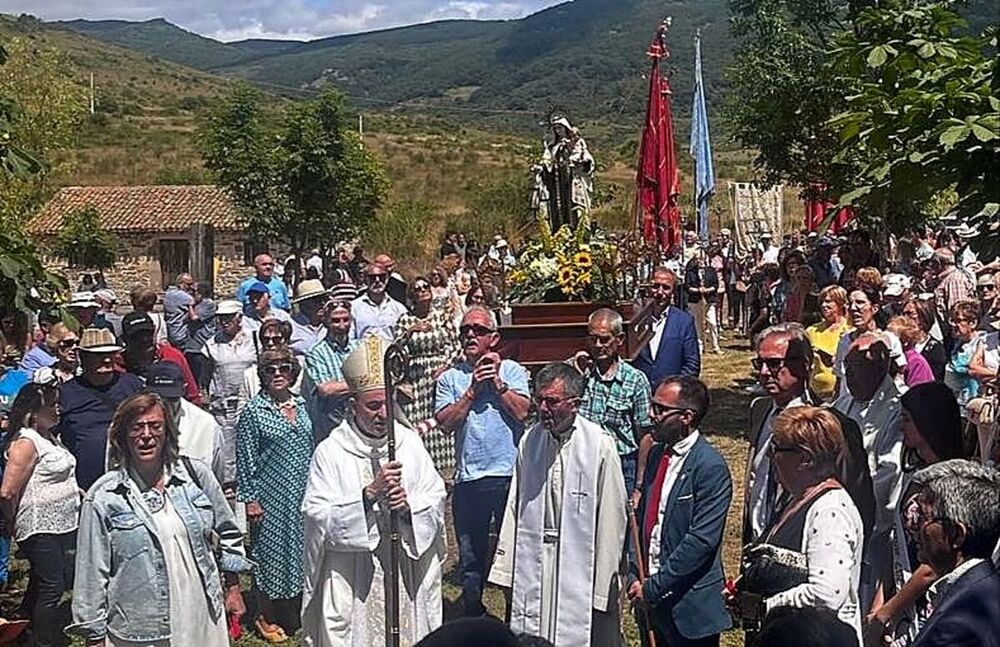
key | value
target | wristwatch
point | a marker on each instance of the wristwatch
(503, 388)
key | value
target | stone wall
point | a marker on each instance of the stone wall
(138, 263)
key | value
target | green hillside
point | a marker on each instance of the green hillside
(586, 57)
(161, 39)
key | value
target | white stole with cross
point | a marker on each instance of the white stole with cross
(576, 536)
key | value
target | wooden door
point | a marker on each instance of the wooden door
(175, 258)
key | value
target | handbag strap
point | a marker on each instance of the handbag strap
(808, 496)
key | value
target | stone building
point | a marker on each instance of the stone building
(161, 232)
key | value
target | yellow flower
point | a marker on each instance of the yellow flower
(583, 260)
(584, 279)
(564, 277)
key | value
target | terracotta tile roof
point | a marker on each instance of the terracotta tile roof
(141, 208)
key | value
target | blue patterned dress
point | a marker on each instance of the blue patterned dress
(272, 466)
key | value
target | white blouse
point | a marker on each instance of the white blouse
(832, 540)
(50, 503)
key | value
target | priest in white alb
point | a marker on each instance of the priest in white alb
(352, 487)
(564, 527)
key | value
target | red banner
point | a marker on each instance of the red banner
(657, 175)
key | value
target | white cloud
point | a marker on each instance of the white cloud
(283, 19)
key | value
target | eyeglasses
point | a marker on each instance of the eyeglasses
(660, 410)
(271, 340)
(773, 364)
(604, 340)
(421, 287)
(66, 344)
(376, 277)
(154, 427)
(275, 369)
(476, 329)
(775, 448)
(661, 287)
(549, 402)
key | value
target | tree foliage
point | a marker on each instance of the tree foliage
(890, 107)
(25, 284)
(922, 116)
(299, 177)
(51, 103)
(84, 242)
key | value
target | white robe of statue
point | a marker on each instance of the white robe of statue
(572, 599)
(347, 545)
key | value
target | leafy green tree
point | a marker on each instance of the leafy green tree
(51, 104)
(25, 284)
(302, 177)
(782, 94)
(922, 116)
(84, 242)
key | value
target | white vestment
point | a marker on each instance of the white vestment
(562, 537)
(347, 542)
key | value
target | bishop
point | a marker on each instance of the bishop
(352, 487)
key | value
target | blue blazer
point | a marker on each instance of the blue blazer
(678, 352)
(688, 587)
(969, 613)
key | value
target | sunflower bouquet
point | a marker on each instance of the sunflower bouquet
(567, 265)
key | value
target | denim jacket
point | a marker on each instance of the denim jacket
(121, 580)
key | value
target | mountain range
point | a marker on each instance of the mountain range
(586, 57)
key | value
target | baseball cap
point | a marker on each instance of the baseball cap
(82, 300)
(165, 379)
(135, 324)
(258, 286)
(826, 241)
(228, 307)
(895, 284)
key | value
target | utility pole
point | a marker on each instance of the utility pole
(361, 129)
(91, 93)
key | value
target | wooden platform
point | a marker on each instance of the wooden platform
(540, 333)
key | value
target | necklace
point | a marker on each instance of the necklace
(154, 499)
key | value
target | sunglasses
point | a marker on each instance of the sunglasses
(271, 340)
(66, 344)
(421, 287)
(476, 329)
(773, 364)
(660, 287)
(376, 277)
(660, 410)
(276, 369)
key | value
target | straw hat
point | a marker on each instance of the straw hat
(309, 289)
(98, 340)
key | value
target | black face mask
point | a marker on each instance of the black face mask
(912, 461)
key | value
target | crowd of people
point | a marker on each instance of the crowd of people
(154, 454)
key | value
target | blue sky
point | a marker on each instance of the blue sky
(295, 19)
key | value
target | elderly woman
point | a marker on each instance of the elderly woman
(924, 314)
(431, 340)
(963, 317)
(825, 336)
(154, 533)
(819, 519)
(273, 334)
(917, 370)
(40, 501)
(932, 432)
(274, 444)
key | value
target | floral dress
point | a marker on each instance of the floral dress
(272, 467)
(428, 351)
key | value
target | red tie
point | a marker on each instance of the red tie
(653, 508)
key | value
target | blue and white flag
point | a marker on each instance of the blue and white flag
(701, 146)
